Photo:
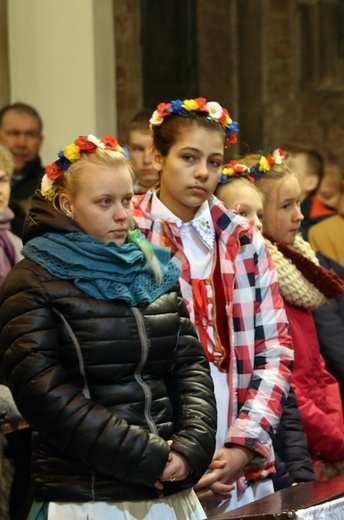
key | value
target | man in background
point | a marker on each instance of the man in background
(21, 132)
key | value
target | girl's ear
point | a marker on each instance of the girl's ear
(157, 160)
(65, 205)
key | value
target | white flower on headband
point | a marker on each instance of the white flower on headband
(156, 118)
(215, 109)
(278, 155)
(93, 139)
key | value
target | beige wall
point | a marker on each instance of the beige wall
(61, 56)
(4, 72)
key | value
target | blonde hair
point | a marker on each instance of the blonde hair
(276, 172)
(100, 158)
(6, 161)
(235, 180)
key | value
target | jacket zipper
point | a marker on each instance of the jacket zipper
(144, 355)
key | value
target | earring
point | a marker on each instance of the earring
(70, 215)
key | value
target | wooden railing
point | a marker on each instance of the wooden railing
(293, 502)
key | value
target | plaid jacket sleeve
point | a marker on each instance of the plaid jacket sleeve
(263, 354)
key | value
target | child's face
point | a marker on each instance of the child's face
(140, 147)
(190, 171)
(5, 190)
(244, 199)
(330, 191)
(102, 205)
(282, 214)
(308, 179)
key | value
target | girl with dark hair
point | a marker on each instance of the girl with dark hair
(229, 285)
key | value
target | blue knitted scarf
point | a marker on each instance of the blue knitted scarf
(104, 271)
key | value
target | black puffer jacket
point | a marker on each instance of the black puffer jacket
(145, 370)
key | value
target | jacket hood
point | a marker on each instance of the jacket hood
(44, 218)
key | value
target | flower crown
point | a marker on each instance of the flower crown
(266, 161)
(234, 169)
(211, 109)
(72, 152)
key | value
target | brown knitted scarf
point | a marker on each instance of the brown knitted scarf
(302, 280)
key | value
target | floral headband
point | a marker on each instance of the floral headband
(66, 157)
(233, 170)
(211, 109)
(266, 160)
(265, 163)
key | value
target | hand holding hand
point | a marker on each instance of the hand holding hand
(227, 465)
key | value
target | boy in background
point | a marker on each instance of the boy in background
(140, 147)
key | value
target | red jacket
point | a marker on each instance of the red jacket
(317, 391)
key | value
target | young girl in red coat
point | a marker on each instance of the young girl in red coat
(304, 286)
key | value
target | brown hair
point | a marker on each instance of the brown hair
(22, 108)
(166, 134)
(140, 121)
(315, 159)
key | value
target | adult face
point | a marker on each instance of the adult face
(5, 190)
(244, 199)
(102, 205)
(21, 134)
(140, 147)
(282, 214)
(190, 171)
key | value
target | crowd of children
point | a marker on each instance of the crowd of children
(206, 251)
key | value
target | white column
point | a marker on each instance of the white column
(62, 61)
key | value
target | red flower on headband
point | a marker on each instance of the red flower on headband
(232, 138)
(223, 118)
(53, 171)
(201, 104)
(85, 145)
(163, 109)
(110, 142)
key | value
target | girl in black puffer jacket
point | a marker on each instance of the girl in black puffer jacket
(99, 351)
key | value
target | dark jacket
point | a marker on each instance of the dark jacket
(145, 387)
(293, 461)
(22, 191)
(329, 320)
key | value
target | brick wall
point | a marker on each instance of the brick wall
(252, 58)
(128, 63)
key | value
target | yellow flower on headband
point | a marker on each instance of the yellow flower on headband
(264, 165)
(48, 189)
(72, 152)
(190, 104)
(228, 171)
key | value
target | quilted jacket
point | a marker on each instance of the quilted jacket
(103, 385)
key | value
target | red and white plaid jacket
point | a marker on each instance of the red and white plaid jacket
(261, 354)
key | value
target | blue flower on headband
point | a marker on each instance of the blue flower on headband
(255, 172)
(177, 107)
(233, 127)
(62, 162)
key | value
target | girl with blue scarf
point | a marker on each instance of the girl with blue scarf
(100, 354)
